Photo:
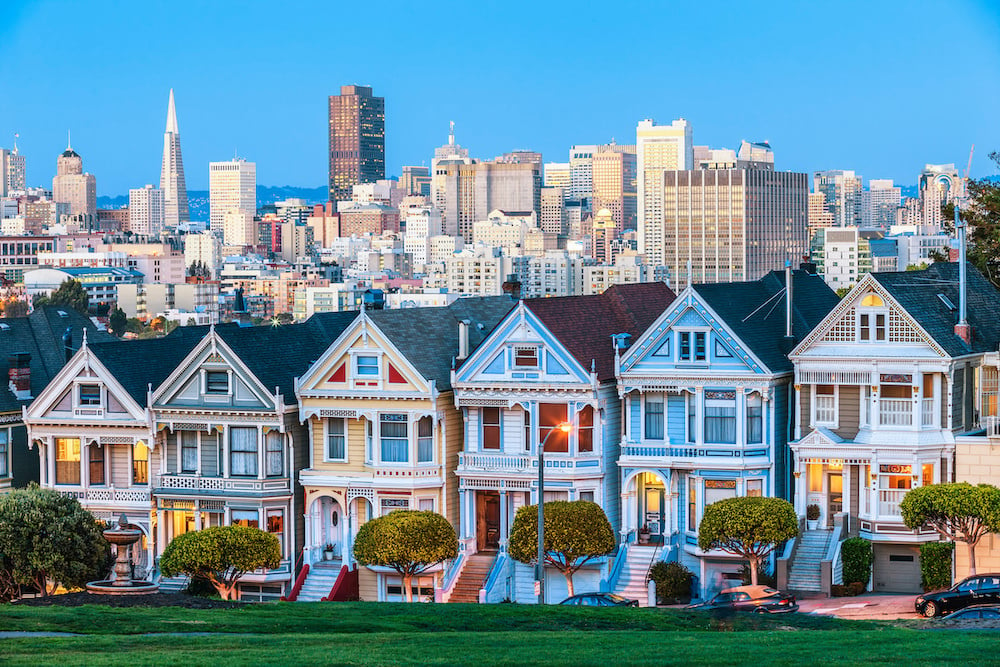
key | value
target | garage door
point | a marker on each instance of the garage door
(897, 569)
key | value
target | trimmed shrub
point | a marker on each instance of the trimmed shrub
(856, 555)
(935, 565)
(673, 582)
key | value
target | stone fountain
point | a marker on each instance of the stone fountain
(121, 581)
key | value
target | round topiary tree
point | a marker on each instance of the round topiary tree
(576, 532)
(408, 541)
(959, 512)
(221, 554)
(749, 527)
(49, 540)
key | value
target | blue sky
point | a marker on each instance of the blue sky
(879, 87)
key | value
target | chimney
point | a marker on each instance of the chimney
(19, 374)
(67, 340)
(963, 329)
(512, 286)
(788, 298)
(621, 341)
(463, 339)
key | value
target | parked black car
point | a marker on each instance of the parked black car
(977, 589)
(974, 613)
(760, 599)
(600, 600)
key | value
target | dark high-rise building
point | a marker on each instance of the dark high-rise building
(357, 140)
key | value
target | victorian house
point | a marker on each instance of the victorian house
(383, 434)
(549, 361)
(886, 382)
(706, 394)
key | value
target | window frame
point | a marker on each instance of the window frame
(244, 453)
(91, 401)
(647, 413)
(328, 434)
(425, 440)
(212, 386)
(692, 346)
(489, 428)
(67, 443)
(534, 359)
(5, 453)
(382, 438)
(92, 461)
(357, 366)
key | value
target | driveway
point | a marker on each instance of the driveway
(881, 606)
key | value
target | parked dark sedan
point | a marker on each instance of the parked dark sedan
(760, 599)
(600, 600)
(977, 589)
(974, 613)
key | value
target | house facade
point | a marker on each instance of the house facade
(383, 431)
(549, 361)
(885, 383)
(706, 398)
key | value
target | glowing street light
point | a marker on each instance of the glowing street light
(565, 428)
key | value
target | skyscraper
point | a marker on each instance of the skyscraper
(11, 171)
(939, 184)
(175, 201)
(449, 154)
(613, 171)
(842, 190)
(357, 140)
(879, 203)
(145, 210)
(659, 148)
(472, 191)
(71, 186)
(232, 186)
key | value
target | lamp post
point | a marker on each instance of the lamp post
(563, 427)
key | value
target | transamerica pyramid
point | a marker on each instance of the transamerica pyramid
(175, 201)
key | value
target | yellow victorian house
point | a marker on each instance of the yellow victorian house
(384, 434)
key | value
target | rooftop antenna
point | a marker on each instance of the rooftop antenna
(451, 133)
(69, 144)
(16, 136)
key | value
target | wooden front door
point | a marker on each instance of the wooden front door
(835, 496)
(488, 521)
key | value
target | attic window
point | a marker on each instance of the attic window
(526, 357)
(216, 382)
(947, 302)
(90, 394)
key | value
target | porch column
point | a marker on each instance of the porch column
(846, 489)
(197, 515)
(699, 416)
(345, 535)
(800, 488)
(50, 455)
(161, 532)
(260, 452)
(84, 453)
(306, 538)
(504, 527)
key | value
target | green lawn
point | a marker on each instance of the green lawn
(399, 634)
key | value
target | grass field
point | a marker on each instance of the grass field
(399, 634)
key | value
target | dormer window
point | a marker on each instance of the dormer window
(367, 365)
(90, 394)
(526, 357)
(692, 345)
(216, 382)
(872, 319)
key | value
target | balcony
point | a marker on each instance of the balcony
(992, 425)
(472, 462)
(108, 495)
(895, 412)
(888, 501)
(193, 483)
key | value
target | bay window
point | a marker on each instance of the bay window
(720, 417)
(246, 518)
(243, 451)
(4, 452)
(755, 419)
(654, 417)
(527, 431)
(394, 438)
(551, 415)
(585, 430)
(67, 461)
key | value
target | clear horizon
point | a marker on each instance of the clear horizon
(877, 88)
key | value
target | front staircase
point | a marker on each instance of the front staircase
(473, 577)
(319, 582)
(632, 580)
(804, 571)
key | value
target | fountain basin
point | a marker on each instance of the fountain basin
(133, 587)
(121, 581)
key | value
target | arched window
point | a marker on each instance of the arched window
(872, 301)
(873, 318)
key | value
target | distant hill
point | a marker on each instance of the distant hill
(266, 194)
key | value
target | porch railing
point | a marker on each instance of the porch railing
(197, 483)
(504, 462)
(992, 425)
(888, 501)
(497, 586)
(895, 412)
(927, 412)
(108, 495)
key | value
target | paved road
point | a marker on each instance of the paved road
(873, 607)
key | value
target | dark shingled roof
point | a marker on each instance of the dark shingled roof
(585, 324)
(428, 337)
(917, 292)
(40, 335)
(755, 312)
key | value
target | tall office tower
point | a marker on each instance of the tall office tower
(580, 172)
(602, 236)
(416, 181)
(879, 203)
(842, 192)
(731, 224)
(472, 191)
(552, 217)
(613, 168)
(175, 199)
(146, 209)
(444, 156)
(819, 217)
(232, 186)
(357, 140)
(71, 186)
(238, 228)
(938, 184)
(557, 175)
(659, 148)
(11, 171)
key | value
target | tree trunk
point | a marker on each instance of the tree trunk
(754, 560)
(569, 582)
(972, 557)
(408, 586)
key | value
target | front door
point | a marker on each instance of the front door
(654, 510)
(834, 496)
(488, 521)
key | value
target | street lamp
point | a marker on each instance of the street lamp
(563, 427)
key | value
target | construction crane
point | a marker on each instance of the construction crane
(968, 167)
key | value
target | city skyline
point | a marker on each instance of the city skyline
(889, 115)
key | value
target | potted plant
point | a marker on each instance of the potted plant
(328, 552)
(812, 517)
(644, 534)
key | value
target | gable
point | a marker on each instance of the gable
(689, 338)
(522, 349)
(362, 359)
(212, 376)
(85, 390)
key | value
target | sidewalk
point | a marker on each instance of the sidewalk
(872, 606)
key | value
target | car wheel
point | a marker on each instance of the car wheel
(931, 609)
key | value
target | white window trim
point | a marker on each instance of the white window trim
(642, 416)
(689, 331)
(79, 383)
(813, 413)
(326, 440)
(367, 352)
(871, 312)
(525, 346)
(217, 395)
(482, 430)
(411, 426)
